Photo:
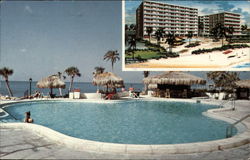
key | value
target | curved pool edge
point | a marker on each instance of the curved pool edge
(95, 146)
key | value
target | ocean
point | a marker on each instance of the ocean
(19, 87)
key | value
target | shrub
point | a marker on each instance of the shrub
(225, 47)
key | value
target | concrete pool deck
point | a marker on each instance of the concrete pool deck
(231, 146)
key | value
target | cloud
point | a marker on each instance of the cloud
(224, 5)
(208, 11)
(23, 50)
(245, 16)
(28, 9)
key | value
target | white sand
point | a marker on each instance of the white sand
(208, 61)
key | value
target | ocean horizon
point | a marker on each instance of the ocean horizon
(19, 87)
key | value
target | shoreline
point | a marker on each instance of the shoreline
(214, 60)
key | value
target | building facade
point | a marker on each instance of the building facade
(225, 18)
(172, 18)
(203, 23)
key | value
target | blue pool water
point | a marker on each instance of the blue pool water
(133, 122)
(245, 65)
(191, 40)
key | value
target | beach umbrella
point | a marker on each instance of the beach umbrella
(51, 82)
(174, 78)
(108, 79)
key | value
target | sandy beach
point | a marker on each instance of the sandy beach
(208, 61)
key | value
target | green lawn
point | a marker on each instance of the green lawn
(146, 54)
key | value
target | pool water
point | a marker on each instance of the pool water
(133, 122)
(192, 40)
(245, 65)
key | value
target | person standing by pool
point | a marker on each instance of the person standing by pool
(28, 119)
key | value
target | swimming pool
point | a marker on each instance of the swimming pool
(245, 65)
(192, 40)
(130, 122)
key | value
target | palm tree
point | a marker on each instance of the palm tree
(126, 33)
(214, 33)
(6, 72)
(149, 31)
(230, 31)
(159, 34)
(200, 28)
(61, 76)
(243, 27)
(99, 70)
(112, 56)
(221, 29)
(132, 27)
(170, 40)
(189, 35)
(223, 79)
(146, 74)
(132, 43)
(72, 72)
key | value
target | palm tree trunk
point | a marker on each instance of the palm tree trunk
(112, 63)
(146, 89)
(71, 84)
(8, 88)
(107, 88)
(170, 48)
(51, 91)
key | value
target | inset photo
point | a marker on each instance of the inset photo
(188, 36)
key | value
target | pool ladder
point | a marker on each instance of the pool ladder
(232, 100)
(229, 130)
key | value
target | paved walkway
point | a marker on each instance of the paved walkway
(21, 144)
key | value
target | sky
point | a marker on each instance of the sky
(41, 38)
(204, 7)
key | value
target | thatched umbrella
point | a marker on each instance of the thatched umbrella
(108, 79)
(243, 83)
(174, 78)
(51, 82)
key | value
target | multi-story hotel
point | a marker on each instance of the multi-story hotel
(225, 18)
(172, 18)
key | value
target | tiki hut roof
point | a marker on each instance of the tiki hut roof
(51, 82)
(108, 78)
(243, 83)
(174, 78)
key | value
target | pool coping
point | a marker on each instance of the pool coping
(161, 149)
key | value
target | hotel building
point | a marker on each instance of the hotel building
(172, 18)
(225, 18)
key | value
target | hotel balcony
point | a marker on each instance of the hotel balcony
(172, 8)
(151, 9)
